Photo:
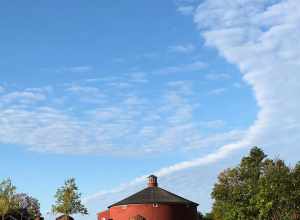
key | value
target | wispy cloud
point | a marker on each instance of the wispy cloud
(190, 67)
(184, 48)
(23, 97)
(87, 93)
(214, 124)
(262, 44)
(2, 89)
(186, 9)
(217, 76)
(260, 37)
(79, 69)
(143, 126)
(75, 69)
(217, 91)
(137, 77)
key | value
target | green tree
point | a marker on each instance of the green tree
(258, 189)
(236, 188)
(68, 200)
(207, 216)
(27, 206)
(7, 201)
(200, 216)
(295, 196)
(275, 187)
(4, 206)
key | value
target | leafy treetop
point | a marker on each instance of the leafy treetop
(68, 200)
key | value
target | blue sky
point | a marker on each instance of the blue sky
(110, 91)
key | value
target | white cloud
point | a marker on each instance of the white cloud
(76, 69)
(263, 44)
(214, 124)
(217, 91)
(187, 48)
(217, 76)
(138, 77)
(87, 93)
(262, 59)
(190, 67)
(261, 38)
(143, 125)
(258, 37)
(2, 89)
(186, 9)
(22, 97)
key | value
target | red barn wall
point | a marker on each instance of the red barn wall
(150, 212)
(103, 215)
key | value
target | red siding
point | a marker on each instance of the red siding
(103, 215)
(149, 212)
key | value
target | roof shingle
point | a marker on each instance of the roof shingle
(154, 195)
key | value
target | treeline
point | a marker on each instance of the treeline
(17, 205)
(259, 188)
(20, 206)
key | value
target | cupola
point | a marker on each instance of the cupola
(152, 181)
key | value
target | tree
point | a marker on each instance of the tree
(199, 216)
(236, 187)
(295, 197)
(234, 193)
(68, 200)
(258, 189)
(27, 206)
(7, 202)
(226, 194)
(4, 206)
(207, 216)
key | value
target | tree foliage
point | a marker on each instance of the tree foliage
(15, 204)
(207, 216)
(68, 200)
(27, 205)
(7, 192)
(4, 206)
(258, 189)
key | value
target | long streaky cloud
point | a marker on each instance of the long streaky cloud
(261, 38)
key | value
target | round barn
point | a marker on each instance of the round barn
(152, 203)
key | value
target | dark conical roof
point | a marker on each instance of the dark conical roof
(154, 195)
